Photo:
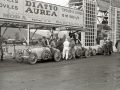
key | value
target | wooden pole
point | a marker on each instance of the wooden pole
(28, 34)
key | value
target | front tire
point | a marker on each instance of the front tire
(87, 54)
(57, 56)
(93, 52)
(18, 57)
(33, 58)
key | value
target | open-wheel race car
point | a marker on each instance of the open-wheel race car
(34, 54)
(93, 51)
(101, 50)
(81, 51)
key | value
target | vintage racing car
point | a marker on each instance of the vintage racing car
(34, 54)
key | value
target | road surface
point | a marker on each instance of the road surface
(94, 73)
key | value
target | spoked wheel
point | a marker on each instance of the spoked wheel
(78, 53)
(87, 54)
(46, 55)
(100, 51)
(19, 57)
(93, 52)
(33, 58)
(70, 55)
(57, 56)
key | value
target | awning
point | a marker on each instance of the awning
(103, 27)
(73, 29)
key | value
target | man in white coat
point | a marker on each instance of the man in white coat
(66, 48)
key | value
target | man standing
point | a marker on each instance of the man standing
(72, 47)
(60, 44)
(66, 45)
(117, 45)
(1, 49)
(44, 42)
(110, 46)
(105, 46)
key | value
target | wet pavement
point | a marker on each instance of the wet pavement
(94, 73)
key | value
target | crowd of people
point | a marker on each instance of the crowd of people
(107, 45)
(67, 44)
(63, 44)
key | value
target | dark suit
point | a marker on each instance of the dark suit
(1, 49)
(110, 47)
(60, 45)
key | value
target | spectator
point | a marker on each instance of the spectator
(72, 47)
(60, 45)
(44, 42)
(117, 45)
(1, 49)
(110, 45)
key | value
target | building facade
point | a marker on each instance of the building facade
(89, 8)
(114, 22)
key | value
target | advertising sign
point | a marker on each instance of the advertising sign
(31, 11)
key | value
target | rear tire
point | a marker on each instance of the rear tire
(78, 53)
(46, 55)
(70, 55)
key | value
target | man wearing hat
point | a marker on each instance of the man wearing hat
(44, 42)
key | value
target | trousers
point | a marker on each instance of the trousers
(73, 51)
(65, 52)
(1, 53)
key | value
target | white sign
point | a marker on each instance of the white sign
(39, 12)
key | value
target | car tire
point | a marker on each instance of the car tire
(46, 55)
(87, 53)
(78, 53)
(94, 52)
(33, 58)
(100, 51)
(70, 55)
(57, 56)
(18, 57)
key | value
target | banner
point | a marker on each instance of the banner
(31, 11)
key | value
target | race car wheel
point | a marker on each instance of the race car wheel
(87, 54)
(70, 55)
(78, 53)
(19, 56)
(57, 56)
(93, 52)
(100, 51)
(33, 58)
(46, 55)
